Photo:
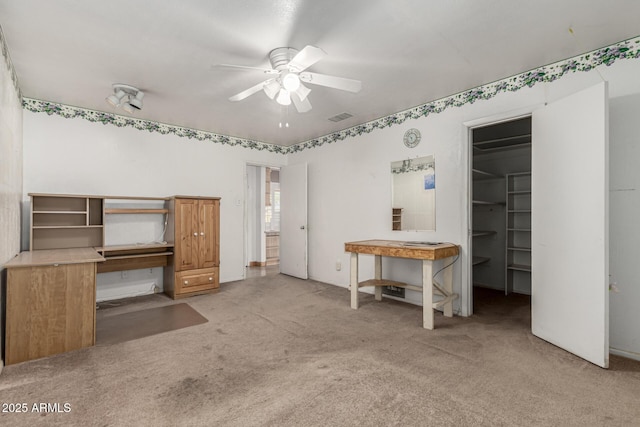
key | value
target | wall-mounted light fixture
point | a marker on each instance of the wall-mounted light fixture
(127, 97)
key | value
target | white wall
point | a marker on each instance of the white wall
(80, 157)
(10, 170)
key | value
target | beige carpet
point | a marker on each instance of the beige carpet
(278, 351)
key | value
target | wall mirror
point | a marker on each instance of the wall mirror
(413, 194)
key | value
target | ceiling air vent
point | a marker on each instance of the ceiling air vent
(340, 117)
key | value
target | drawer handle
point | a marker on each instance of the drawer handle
(186, 282)
(195, 234)
(202, 233)
(210, 279)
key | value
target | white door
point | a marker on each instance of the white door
(570, 224)
(293, 220)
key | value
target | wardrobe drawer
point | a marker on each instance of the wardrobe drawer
(197, 280)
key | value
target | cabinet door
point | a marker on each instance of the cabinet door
(186, 225)
(208, 233)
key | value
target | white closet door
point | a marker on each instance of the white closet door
(293, 220)
(570, 224)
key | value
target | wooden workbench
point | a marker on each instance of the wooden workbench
(423, 251)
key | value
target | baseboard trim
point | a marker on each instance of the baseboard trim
(258, 264)
(627, 354)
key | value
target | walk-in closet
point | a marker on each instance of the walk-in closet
(501, 214)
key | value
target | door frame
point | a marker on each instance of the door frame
(466, 297)
(245, 209)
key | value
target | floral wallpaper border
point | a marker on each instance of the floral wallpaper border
(9, 64)
(69, 112)
(628, 49)
(407, 166)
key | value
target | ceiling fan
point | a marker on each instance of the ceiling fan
(288, 71)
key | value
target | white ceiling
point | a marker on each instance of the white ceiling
(405, 52)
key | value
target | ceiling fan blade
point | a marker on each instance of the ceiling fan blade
(248, 92)
(331, 81)
(303, 91)
(306, 58)
(271, 88)
(244, 67)
(302, 105)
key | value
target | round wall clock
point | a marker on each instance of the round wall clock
(411, 138)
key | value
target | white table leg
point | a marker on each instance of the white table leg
(354, 280)
(427, 294)
(447, 277)
(378, 289)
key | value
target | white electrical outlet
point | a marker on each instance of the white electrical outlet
(338, 266)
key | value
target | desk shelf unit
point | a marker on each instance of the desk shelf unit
(134, 256)
(135, 211)
(190, 254)
(63, 222)
(518, 232)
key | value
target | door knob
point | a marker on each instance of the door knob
(202, 233)
(195, 234)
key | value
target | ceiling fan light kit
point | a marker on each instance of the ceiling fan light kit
(290, 81)
(284, 98)
(289, 65)
(127, 97)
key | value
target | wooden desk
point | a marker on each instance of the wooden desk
(413, 250)
(51, 303)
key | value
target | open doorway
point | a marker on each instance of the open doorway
(501, 218)
(263, 221)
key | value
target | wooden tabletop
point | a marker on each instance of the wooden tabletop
(54, 256)
(403, 249)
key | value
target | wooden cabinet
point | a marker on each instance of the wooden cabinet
(195, 229)
(51, 297)
(196, 238)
